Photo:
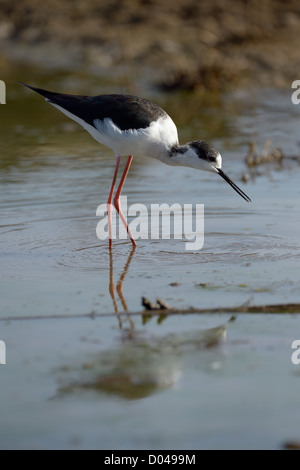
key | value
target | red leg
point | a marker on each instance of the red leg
(109, 202)
(114, 181)
(117, 198)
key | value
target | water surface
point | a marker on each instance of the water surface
(118, 382)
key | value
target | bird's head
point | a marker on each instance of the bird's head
(204, 156)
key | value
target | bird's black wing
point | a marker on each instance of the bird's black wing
(126, 111)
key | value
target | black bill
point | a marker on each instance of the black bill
(234, 186)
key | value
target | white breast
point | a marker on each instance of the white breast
(155, 141)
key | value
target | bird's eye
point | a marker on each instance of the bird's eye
(211, 159)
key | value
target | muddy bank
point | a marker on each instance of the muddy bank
(182, 45)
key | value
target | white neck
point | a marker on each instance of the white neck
(182, 155)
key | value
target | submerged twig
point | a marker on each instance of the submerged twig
(255, 309)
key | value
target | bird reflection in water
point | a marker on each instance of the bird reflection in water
(119, 289)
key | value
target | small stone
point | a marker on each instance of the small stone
(163, 305)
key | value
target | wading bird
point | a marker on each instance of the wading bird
(130, 125)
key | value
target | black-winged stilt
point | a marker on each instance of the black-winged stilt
(130, 125)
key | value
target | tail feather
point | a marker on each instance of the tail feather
(78, 105)
(45, 93)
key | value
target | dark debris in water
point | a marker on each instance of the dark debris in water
(159, 305)
(292, 445)
(268, 155)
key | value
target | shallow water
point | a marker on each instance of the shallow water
(126, 382)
